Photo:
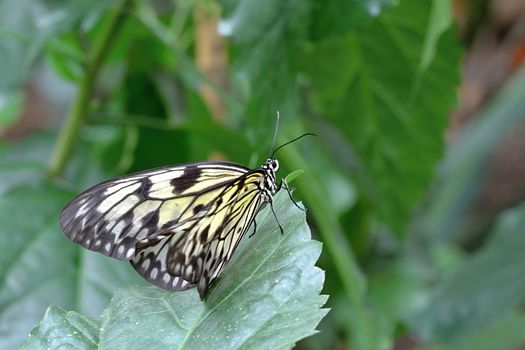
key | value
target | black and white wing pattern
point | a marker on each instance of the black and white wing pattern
(177, 225)
(198, 248)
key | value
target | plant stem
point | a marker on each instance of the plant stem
(68, 136)
(366, 332)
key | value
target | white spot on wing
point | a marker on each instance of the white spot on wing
(220, 245)
(120, 209)
(142, 234)
(119, 227)
(118, 186)
(167, 176)
(145, 264)
(109, 225)
(116, 197)
(189, 247)
(223, 168)
(228, 242)
(84, 208)
(130, 253)
(154, 272)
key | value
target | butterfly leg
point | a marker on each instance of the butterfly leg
(289, 191)
(254, 228)
(276, 219)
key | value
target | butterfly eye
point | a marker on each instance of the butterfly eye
(274, 165)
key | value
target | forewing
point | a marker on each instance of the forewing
(198, 249)
(114, 216)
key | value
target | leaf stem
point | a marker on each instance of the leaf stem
(69, 133)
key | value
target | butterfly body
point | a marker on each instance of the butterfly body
(177, 225)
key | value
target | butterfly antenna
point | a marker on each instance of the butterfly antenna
(275, 132)
(287, 143)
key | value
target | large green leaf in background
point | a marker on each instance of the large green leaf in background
(474, 304)
(336, 17)
(26, 26)
(506, 334)
(482, 292)
(272, 36)
(19, 163)
(267, 298)
(39, 265)
(266, 35)
(389, 85)
(464, 171)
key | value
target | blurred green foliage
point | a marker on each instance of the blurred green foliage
(375, 79)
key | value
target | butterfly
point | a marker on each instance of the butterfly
(178, 225)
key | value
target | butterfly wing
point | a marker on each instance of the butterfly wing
(114, 216)
(196, 250)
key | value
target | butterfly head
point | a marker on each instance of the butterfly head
(273, 164)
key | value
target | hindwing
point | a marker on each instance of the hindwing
(196, 250)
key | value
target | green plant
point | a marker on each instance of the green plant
(374, 79)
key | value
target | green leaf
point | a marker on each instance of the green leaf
(22, 162)
(389, 86)
(266, 36)
(268, 297)
(66, 57)
(27, 25)
(294, 175)
(462, 173)
(40, 266)
(338, 17)
(506, 334)
(487, 287)
(64, 329)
